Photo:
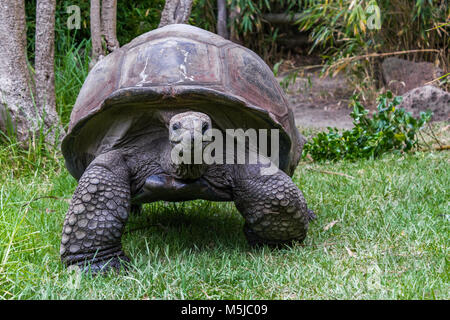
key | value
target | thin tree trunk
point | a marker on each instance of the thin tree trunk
(109, 21)
(222, 29)
(103, 28)
(16, 89)
(96, 32)
(45, 68)
(233, 15)
(175, 11)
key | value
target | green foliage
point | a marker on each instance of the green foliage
(203, 14)
(71, 69)
(349, 28)
(389, 129)
(61, 30)
(329, 22)
(137, 17)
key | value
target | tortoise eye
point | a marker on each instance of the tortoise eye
(176, 126)
(204, 127)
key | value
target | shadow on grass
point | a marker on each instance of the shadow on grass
(194, 225)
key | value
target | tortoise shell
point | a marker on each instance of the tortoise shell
(177, 66)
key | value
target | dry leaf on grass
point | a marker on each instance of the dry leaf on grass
(350, 252)
(330, 225)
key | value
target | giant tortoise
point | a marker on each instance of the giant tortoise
(127, 120)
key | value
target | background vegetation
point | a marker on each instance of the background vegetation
(337, 31)
(341, 30)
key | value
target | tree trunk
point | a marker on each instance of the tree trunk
(233, 15)
(175, 11)
(45, 68)
(16, 89)
(103, 28)
(222, 29)
(109, 21)
(96, 33)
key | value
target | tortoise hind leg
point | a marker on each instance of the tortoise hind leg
(274, 209)
(97, 215)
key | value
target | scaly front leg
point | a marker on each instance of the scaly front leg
(273, 207)
(97, 215)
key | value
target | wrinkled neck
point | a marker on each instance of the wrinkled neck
(188, 171)
(183, 171)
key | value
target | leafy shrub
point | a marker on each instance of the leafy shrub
(389, 129)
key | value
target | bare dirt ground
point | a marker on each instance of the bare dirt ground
(320, 102)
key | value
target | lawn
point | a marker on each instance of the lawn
(382, 232)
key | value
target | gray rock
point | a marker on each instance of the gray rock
(401, 76)
(428, 98)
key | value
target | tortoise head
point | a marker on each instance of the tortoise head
(186, 131)
(185, 127)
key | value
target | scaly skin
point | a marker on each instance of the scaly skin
(97, 215)
(274, 209)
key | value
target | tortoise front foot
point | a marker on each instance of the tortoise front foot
(96, 218)
(273, 207)
(255, 241)
(118, 261)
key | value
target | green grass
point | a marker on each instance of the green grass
(389, 240)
